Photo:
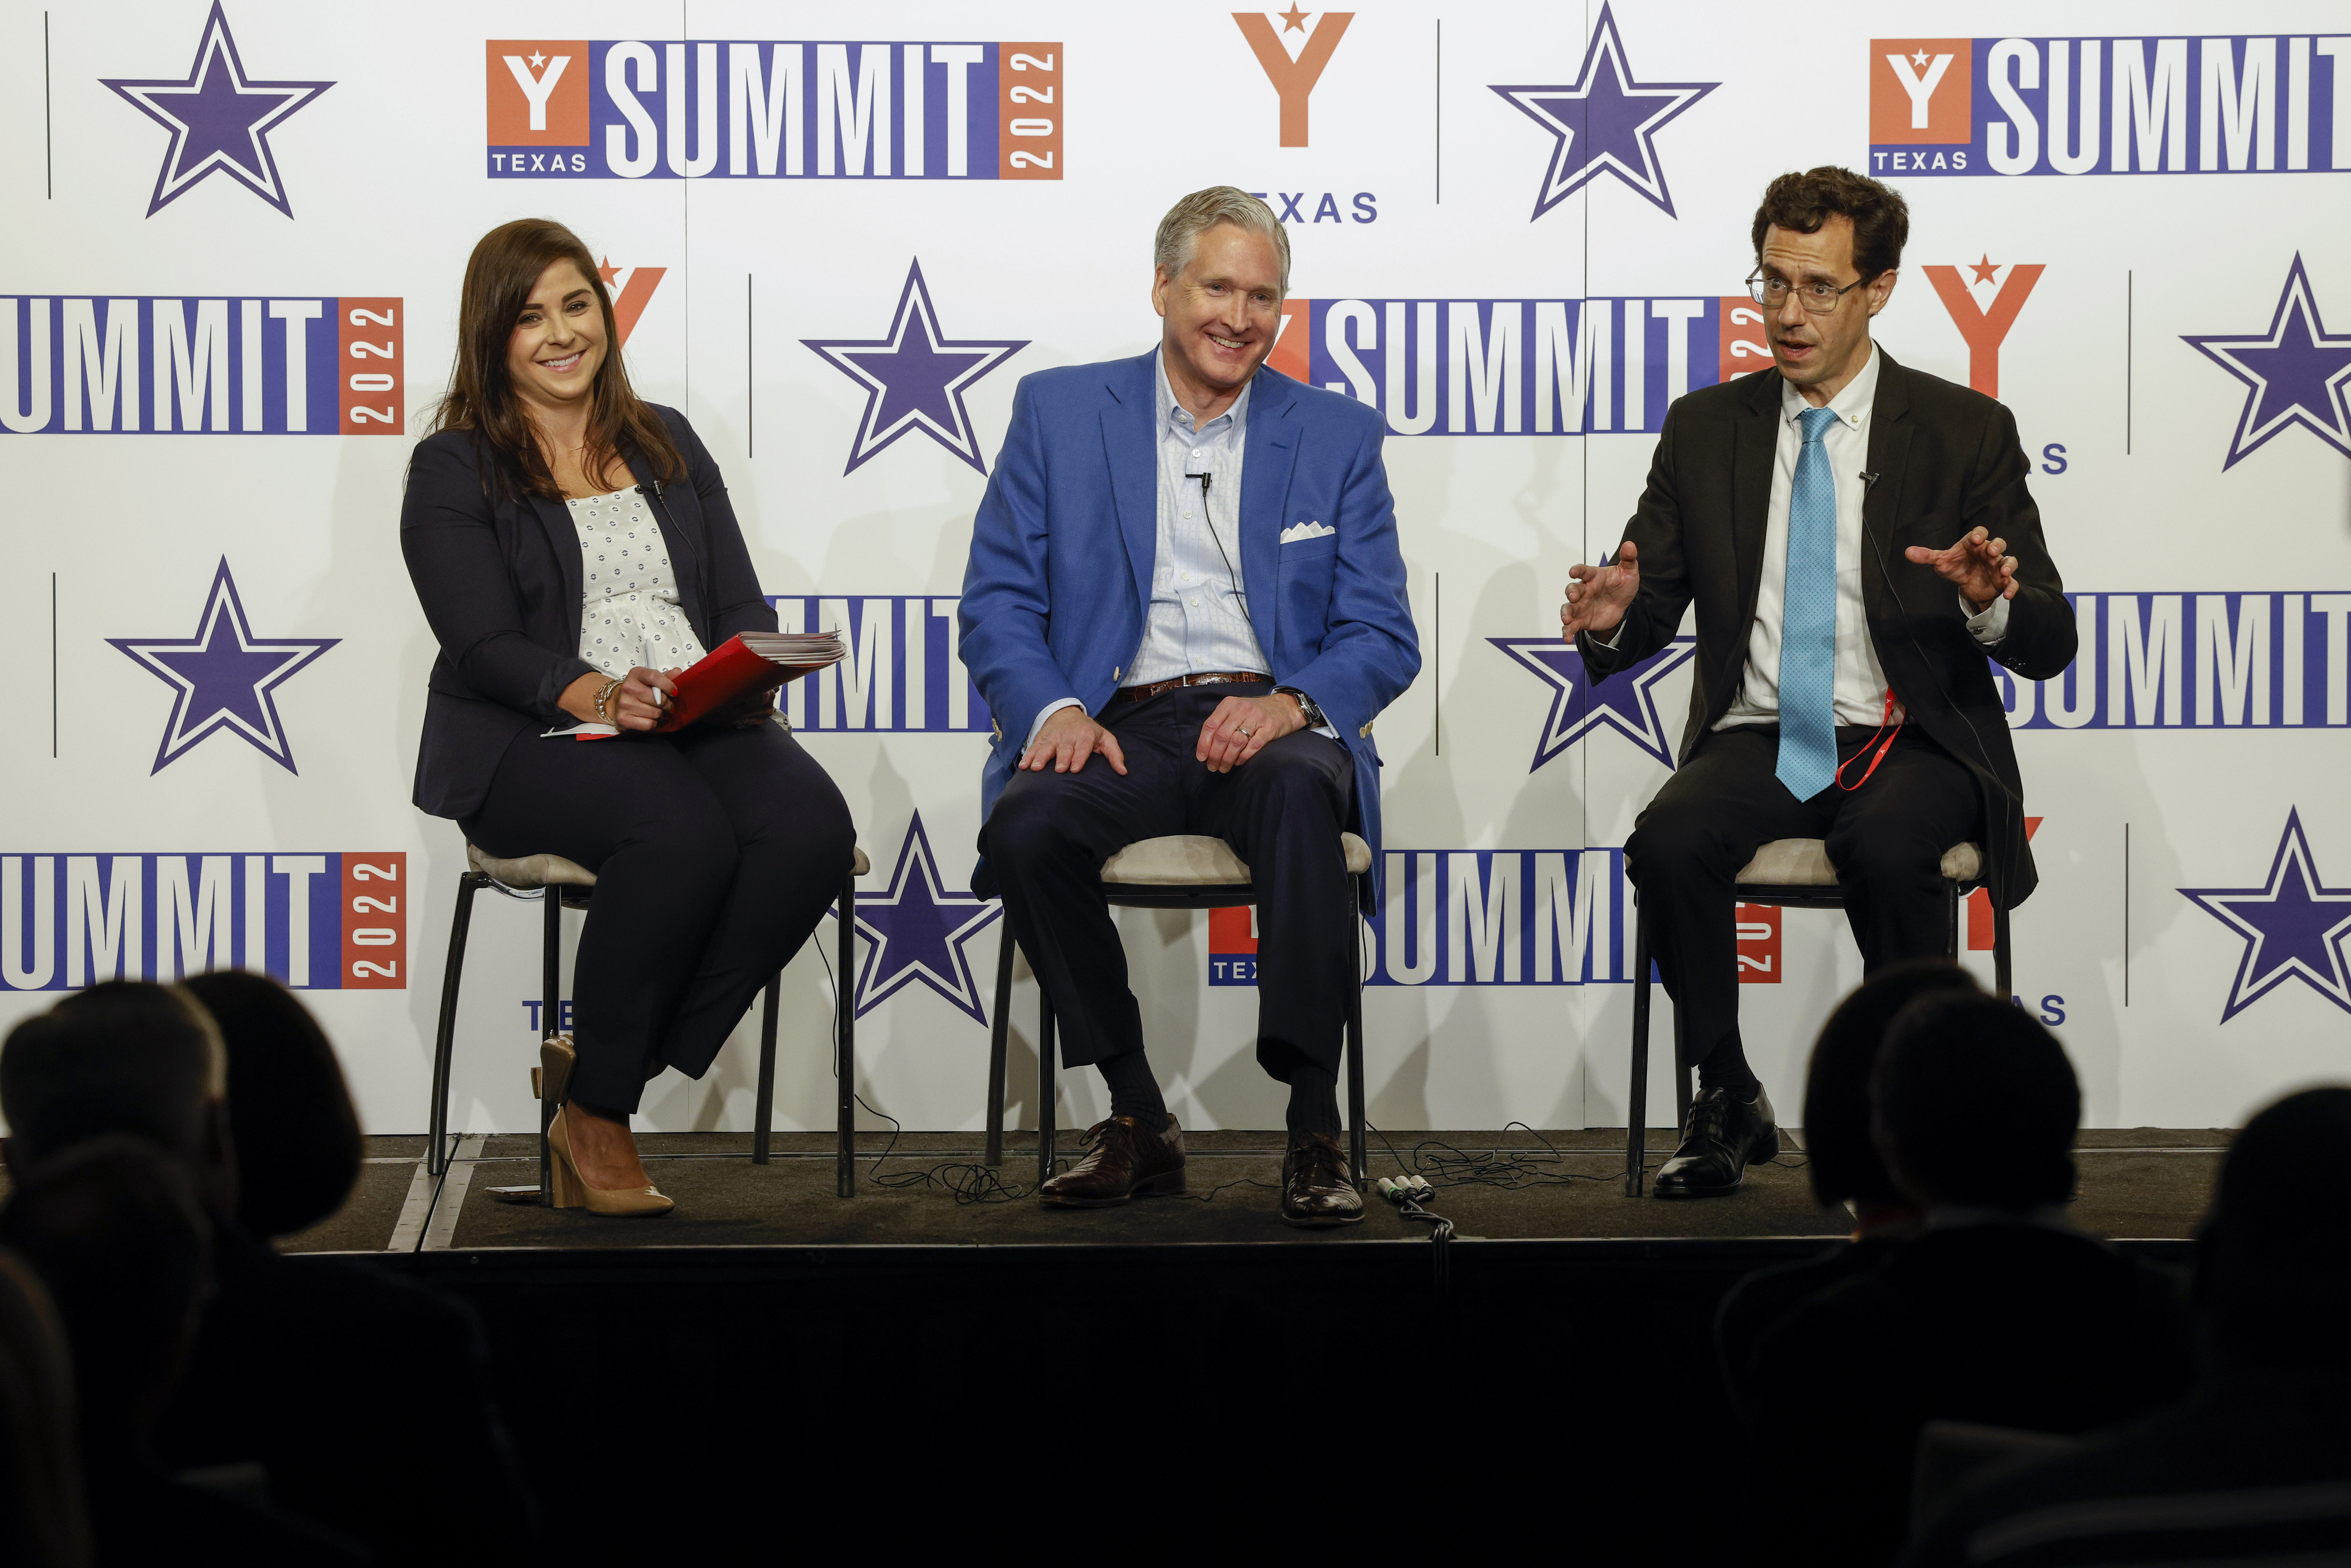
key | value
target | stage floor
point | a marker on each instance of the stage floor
(2136, 1183)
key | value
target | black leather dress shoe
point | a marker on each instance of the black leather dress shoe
(1120, 1160)
(1317, 1188)
(1724, 1136)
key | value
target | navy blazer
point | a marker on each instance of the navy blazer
(500, 580)
(1062, 547)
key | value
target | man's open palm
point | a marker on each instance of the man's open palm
(1599, 595)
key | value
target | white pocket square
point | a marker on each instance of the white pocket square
(1298, 531)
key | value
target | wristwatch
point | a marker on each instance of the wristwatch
(1306, 708)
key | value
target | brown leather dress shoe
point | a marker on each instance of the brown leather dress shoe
(1120, 1160)
(1317, 1189)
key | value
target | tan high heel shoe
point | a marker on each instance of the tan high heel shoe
(570, 1192)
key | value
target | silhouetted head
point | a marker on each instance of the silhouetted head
(2273, 1259)
(1975, 1104)
(1843, 1160)
(297, 1136)
(122, 1057)
(113, 1227)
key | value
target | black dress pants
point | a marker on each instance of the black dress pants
(1282, 811)
(716, 853)
(1886, 838)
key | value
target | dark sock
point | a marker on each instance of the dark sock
(1313, 1100)
(1133, 1091)
(1726, 1068)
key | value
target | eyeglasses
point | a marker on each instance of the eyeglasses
(1818, 297)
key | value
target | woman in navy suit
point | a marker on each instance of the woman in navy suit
(573, 547)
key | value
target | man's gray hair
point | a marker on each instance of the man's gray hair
(1195, 215)
(122, 1057)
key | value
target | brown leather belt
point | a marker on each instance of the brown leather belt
(1199, 678)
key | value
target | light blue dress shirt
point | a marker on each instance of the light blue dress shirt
(1197, 619)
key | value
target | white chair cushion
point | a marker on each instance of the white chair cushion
(540, 871)
(1181, 860)
(529, 870)
(1805, 863)
(1192, 860)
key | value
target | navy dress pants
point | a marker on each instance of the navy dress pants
(1282, 811)
(716, 853)
(1886, 838)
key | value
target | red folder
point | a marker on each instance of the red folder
(748, 660)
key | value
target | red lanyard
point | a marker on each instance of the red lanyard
(1883, 746)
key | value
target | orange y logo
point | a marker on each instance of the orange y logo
(1984, 327)
(633, 295)
(1293, 77)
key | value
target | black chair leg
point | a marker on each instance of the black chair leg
(2000, 949)
(764, 1107)
(845, 1060)
(551, 978)
(999, 1028)
(1951, 920)
(1355, 1119)
(1684, 1070)
(1637, 1096)
(1044, 1087)
(444, 1036)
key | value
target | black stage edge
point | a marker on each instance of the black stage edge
(1168, 1379)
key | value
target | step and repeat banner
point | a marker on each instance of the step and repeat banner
(228, 282)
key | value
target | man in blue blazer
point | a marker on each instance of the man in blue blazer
(1186, 573)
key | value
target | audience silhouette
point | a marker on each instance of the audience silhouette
(2255, 1467)
(363, 1399)
(113, 1227)
(1997, 1311)
(171, 1387)
(43, 1521)
(1841, 1160)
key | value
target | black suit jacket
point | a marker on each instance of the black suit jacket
(498, 574)
(366, 1398)
(1947, 459)
(2004, 1324)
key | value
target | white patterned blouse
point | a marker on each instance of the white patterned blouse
(629, 611)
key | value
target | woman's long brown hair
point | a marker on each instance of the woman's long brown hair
(499, 275)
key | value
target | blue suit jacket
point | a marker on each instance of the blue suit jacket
(1061, 554)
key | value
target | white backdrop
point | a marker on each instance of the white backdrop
(230, 233)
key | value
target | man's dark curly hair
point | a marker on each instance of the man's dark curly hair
(1881, 218)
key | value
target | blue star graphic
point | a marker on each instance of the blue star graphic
(917, 931)
(2297, 373)
(1604, 122)
(1628, 704)
(220, 119)
(2293, 926)
(914, 379)
(224, 677)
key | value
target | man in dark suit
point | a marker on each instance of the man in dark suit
(1857, 538)
(1186, 567)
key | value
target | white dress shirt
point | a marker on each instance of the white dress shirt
(1860, 681)
(1197, 619)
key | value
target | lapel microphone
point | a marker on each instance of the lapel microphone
(1867, 482)
(1210, 519)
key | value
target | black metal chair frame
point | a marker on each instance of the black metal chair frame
(1785, 895)
(1152, 895)
(557, 897)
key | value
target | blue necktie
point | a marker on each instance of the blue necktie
(1808, 621)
